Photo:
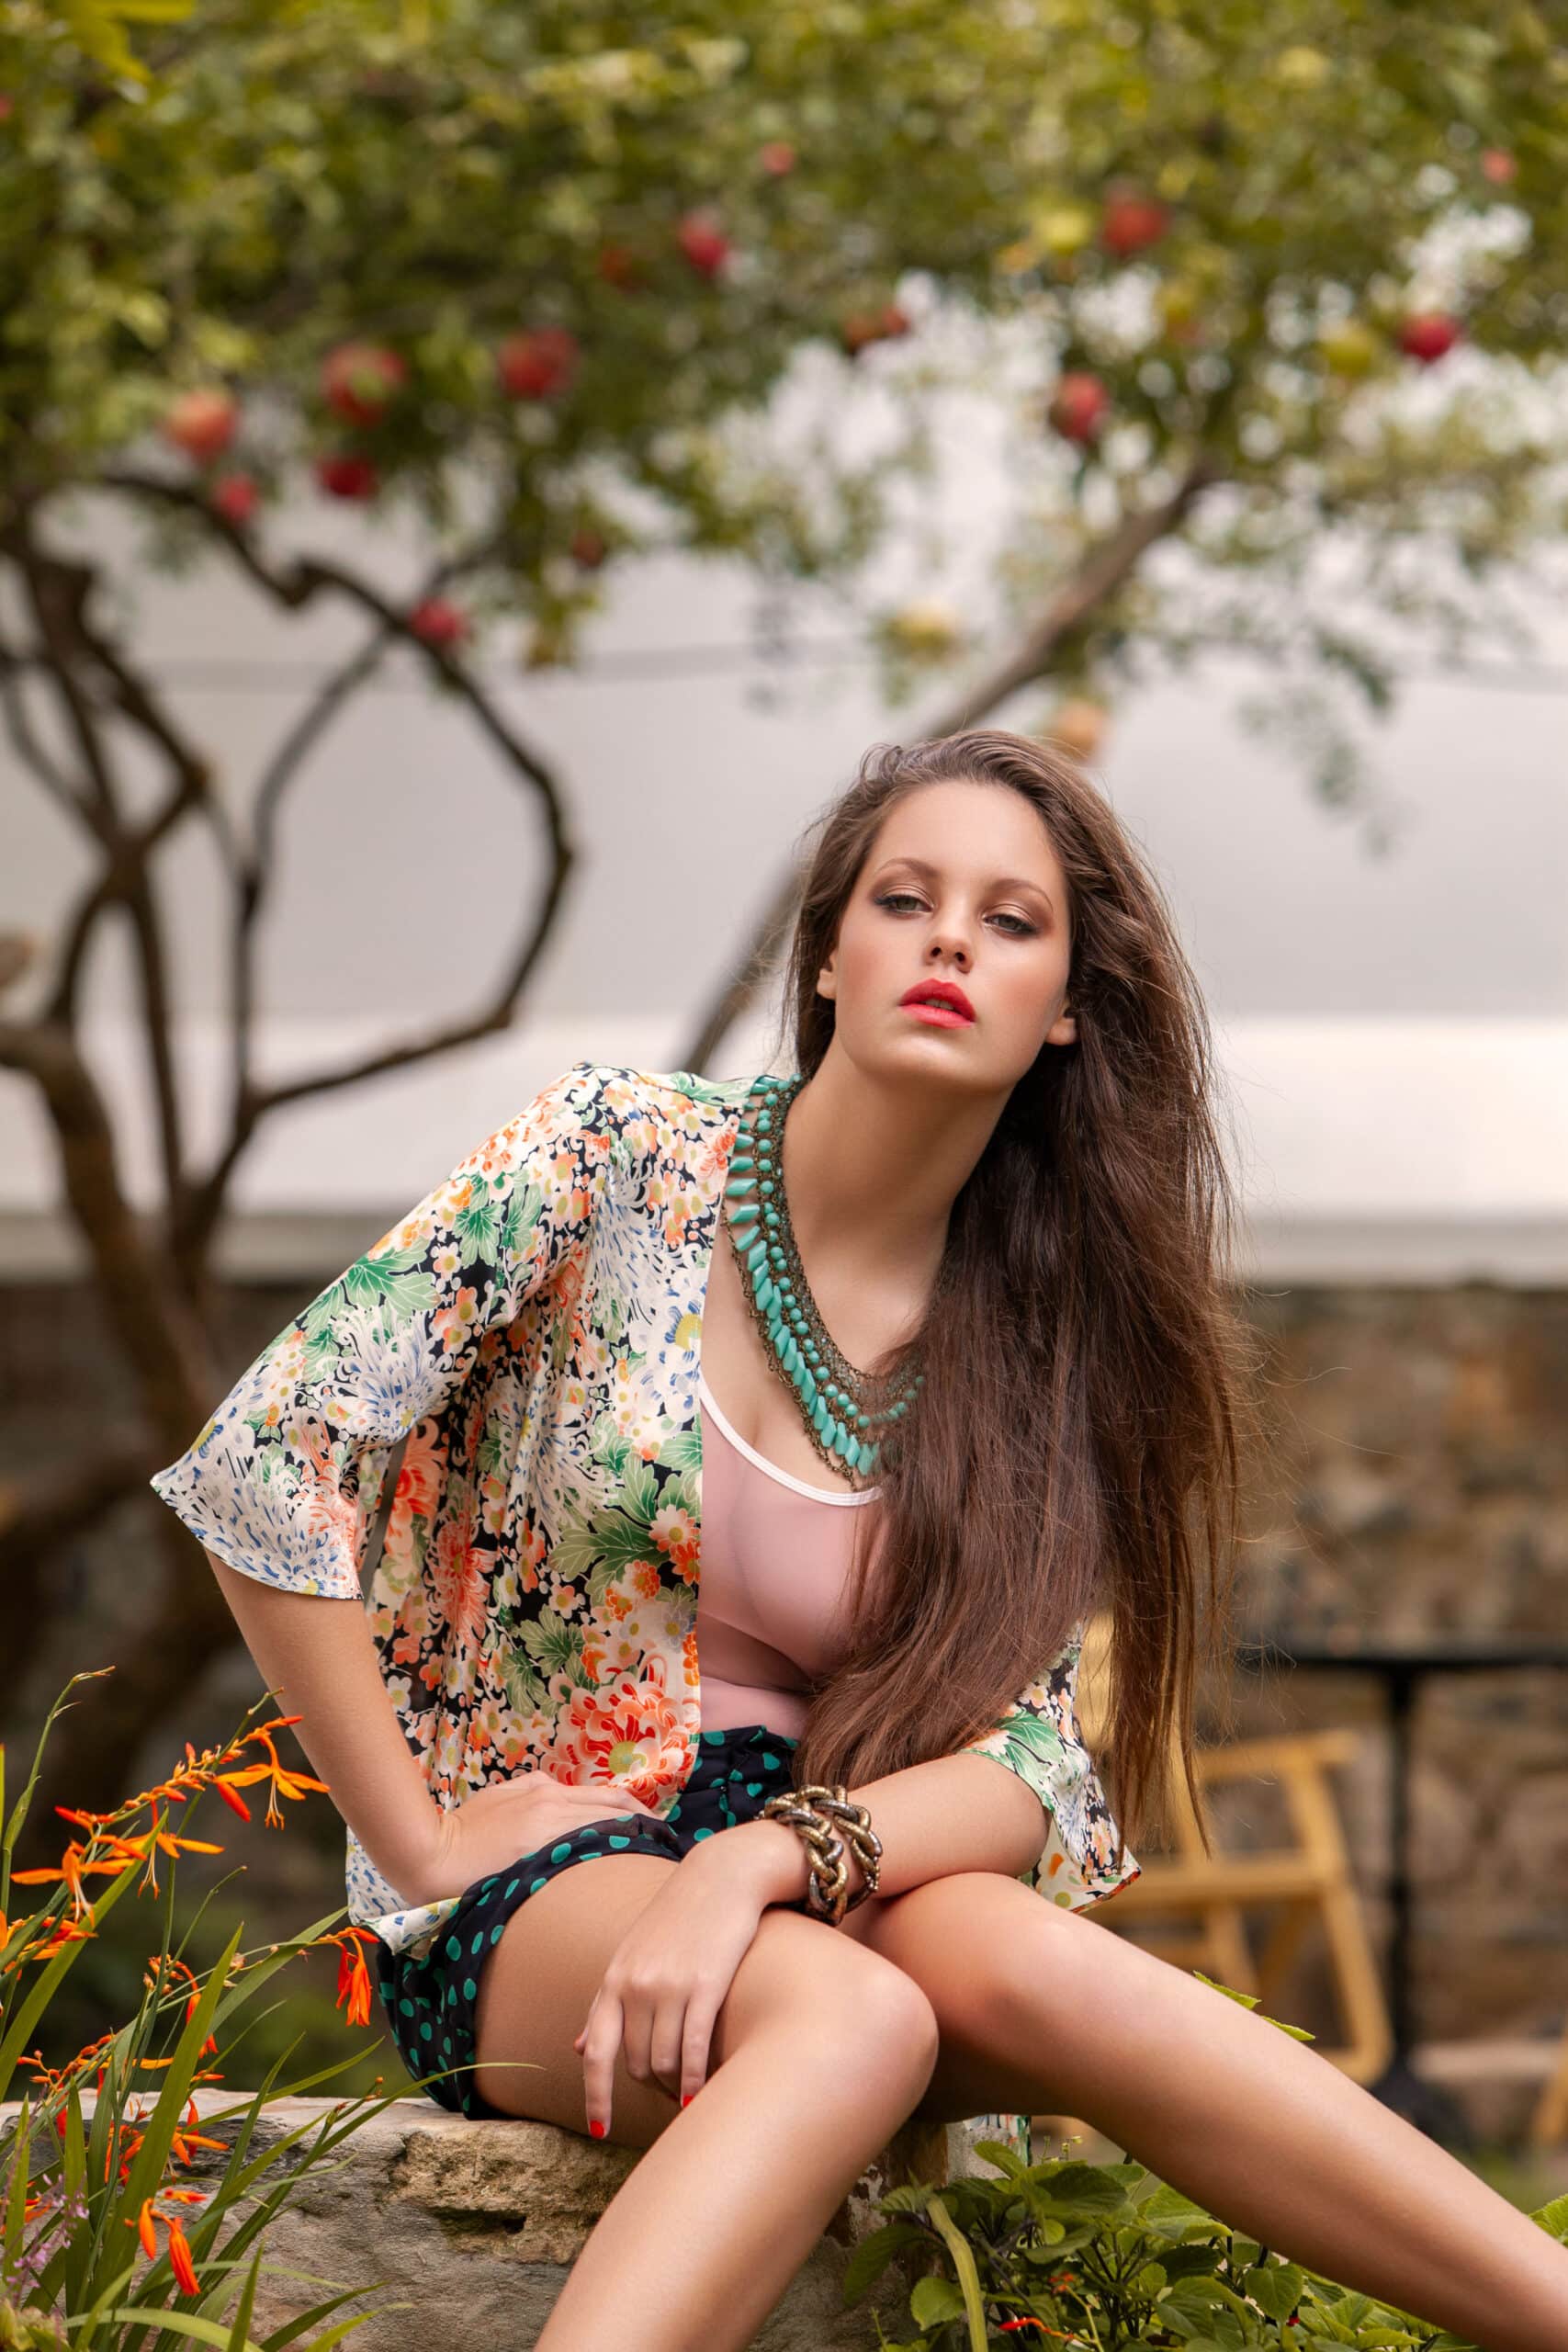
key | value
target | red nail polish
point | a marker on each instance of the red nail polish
(686, 2098)
(598, 2128)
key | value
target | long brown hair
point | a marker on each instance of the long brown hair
(1087, 1399)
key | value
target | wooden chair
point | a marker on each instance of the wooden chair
(1309, 1882)
(1549, 2124)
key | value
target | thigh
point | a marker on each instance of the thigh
(986, 1952)
(538, 1983)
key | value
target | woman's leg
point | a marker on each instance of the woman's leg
(819, 2053)
(1041, 2011)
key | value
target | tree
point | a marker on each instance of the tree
(532, 280)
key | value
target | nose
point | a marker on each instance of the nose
(948, 944)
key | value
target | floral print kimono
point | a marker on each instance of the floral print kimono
(529, 1336)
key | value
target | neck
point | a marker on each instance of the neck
(872, 1166)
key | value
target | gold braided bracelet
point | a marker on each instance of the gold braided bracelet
(812, 1812)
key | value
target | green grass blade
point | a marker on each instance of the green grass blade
(240, 2334)
(147, 2164)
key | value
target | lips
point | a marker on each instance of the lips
(944, 995)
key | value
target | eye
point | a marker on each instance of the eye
(1025, 930)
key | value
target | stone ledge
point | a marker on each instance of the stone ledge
(475, 2225)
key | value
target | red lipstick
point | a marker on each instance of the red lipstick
(941, 1002)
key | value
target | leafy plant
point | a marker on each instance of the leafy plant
(71, 2186)
(1100, 2257)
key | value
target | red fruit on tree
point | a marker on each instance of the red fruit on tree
(1498, 165)
(202, 423)
(347, 477)
(617, 265)
(438, 621)
(1129, 221)
(1078, 405)
(703, 241)
(7, 103)
(588, 547)
(236, 497)
(1427, 334)
(360, 379)
(538, 361)
(777, 157)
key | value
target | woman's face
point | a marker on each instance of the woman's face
(960, 883)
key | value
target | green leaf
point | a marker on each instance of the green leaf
(205, 2331)
(1249, 2001)
(1275, 2287)
(1553, 2217)
(873, 2253)
(239, 2334)
(934, 2301)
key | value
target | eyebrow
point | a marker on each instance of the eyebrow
(1001, 882)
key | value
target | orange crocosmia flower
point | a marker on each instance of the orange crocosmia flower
(353, 1976)
(179, 2257)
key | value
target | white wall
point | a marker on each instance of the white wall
(1395, 1030)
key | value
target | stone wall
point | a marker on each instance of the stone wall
(1418, 1482)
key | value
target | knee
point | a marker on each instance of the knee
(856, 2011)
(891, 2016)
(883, 2026)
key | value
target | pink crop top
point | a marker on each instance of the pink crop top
(775, 1555)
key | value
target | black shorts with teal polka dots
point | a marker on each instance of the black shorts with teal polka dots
(430, 2000)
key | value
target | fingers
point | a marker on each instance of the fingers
(697, 2042)
(600, 2039)
(665, 2042)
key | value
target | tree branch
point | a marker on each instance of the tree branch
(61, 592)
(161, 1340)
(14, 667)
(200, 1202)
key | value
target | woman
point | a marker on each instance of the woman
(930, 1345)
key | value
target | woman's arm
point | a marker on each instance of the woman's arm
(958, 1813)
(281, 1481)
(320, 1657)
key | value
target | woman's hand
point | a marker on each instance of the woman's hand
(670, 1976)
(502, 1822)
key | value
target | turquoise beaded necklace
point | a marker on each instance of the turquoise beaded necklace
(846, 1413)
